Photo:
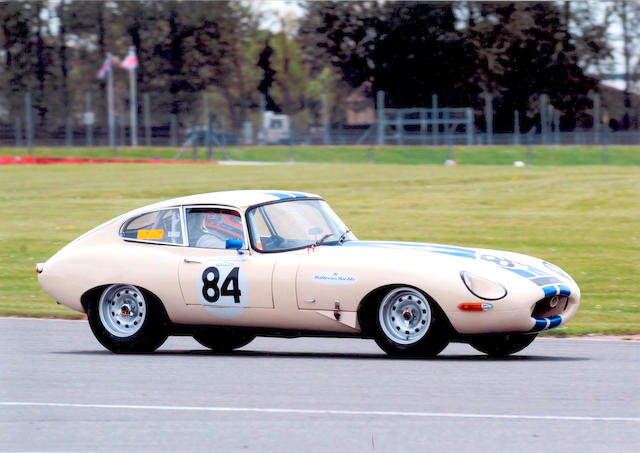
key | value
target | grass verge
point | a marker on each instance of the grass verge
(409, 155)
(582, 218)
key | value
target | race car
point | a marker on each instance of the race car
(226, 267)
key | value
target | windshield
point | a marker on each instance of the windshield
(295, 224)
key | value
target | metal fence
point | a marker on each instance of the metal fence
(432, 126)
(166, 136)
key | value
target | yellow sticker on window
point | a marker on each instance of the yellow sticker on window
(150, 234)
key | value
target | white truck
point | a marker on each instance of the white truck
(276, 129)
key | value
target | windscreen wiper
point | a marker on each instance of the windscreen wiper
(321, 240)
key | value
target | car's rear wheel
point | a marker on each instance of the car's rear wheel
(409, 324)
(223, 340)
(125, 319)
(502, 345)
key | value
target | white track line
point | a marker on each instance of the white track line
(268, 410)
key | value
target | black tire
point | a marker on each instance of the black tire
(129, 306)
(502, 345)
(408, 323)
(222, 339)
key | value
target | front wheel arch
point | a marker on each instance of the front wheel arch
(440, 333)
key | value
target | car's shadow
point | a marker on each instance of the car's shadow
(337, 355)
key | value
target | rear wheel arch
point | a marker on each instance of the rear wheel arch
(148, 336)
(92, 294)
(95, 293)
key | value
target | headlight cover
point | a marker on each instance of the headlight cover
(482, 287)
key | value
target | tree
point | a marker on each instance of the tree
(264, 63)
(183, 48)
(514, 51)
(91, 32)
(629, 18)
(29, 57)
(523, 50)
(16, 36)
(408, 49)
(343, 34)
(237, 77)
(590, 23)
(419, 53)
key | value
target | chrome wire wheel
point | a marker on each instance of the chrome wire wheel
(122, 310)
(404, 315)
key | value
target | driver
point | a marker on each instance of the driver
(212, 237)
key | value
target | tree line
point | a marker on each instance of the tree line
(462, 51)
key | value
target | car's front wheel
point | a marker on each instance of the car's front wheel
(223, 340)
(409, 324)
(124, 319)
(503, 344)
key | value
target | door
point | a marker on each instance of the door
(326, 280)
(225, 282)
(218, 271)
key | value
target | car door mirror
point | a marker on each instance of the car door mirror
(233, 244)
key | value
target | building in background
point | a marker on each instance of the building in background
(360, 108)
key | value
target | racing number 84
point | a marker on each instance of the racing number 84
(211, 292)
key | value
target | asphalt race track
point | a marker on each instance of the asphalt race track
(61, 391)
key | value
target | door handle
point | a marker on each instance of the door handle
(310, 301)
(190, 260)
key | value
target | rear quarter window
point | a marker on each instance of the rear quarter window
(163, 227)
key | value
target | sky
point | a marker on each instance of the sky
(272, 8)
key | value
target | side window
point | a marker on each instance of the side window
(211, 227)
(163, 227)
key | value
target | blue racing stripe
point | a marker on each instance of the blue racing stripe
(554, 321)
(450, 247)
(545, 281)
(298, 194)
(550, 284)
(445, 252)
(541, 324)
(564, 290)
(282, 196)
(433, 248)
(521, 272)
(537, 272)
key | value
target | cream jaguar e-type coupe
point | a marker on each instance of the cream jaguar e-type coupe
(228, 266)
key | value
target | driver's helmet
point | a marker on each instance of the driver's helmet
(223, 223)
(210, 220)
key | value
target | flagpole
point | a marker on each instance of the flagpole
(112, 132)
(133, 104)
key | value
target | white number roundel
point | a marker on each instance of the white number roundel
(223, 290)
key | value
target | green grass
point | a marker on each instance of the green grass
(463, 155)
(585, 219)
